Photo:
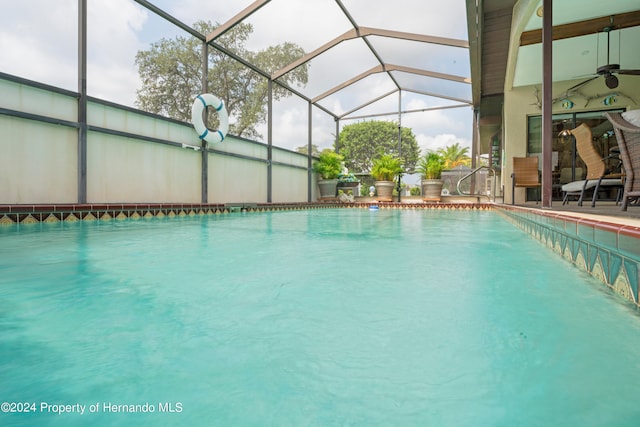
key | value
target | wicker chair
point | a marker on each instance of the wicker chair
(525, 174)
(596, 178)
(628, 137)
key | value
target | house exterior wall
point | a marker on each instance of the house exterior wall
(522, 102)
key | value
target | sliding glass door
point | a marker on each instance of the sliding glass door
(566, 163)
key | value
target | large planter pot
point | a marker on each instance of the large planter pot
(431, 190)
(384, 189)
(327, 188)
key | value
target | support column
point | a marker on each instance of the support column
(269, 141)
(547, 97)
(399, 142)
(475, 148)
(309, 153)
(205, 154)
(82, 101)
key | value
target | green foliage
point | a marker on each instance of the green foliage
(304, 149)
(329, 164)
(386, 167)
(360, 143)
(415, 191)
(431, 165)
(454, 155)
(347, 177)
(171, 75)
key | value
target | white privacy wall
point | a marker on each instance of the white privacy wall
(132, 157)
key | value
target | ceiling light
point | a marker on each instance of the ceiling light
(564, 135)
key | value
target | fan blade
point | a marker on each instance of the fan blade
(630, 72)
(581, 84)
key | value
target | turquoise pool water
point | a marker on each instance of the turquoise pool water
(310, 318)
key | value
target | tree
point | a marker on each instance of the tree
(171, 75)
(304, 149)
(360, 143)
(454, 155)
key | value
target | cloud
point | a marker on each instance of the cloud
(445, 18)
(113, 39)
(434, 142)
(38, 42)
(290, 120)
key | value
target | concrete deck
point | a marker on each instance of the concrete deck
(603, 211)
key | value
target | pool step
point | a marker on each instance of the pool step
(239, 207)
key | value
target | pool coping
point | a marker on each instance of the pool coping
(36, 213)
(605, 247)
(608, 248)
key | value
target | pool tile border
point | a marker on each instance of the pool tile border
(33, 214)
(609, 252)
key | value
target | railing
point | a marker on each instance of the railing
(489, 193)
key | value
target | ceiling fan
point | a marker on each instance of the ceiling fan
(609, 70)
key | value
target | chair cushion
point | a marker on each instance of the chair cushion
(632, 117)
(578, 185)
(611, 182)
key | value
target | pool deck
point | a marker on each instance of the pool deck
(603, 211)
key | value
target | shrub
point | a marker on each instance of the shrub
(431, 165)
(329, 164)
(386, 168)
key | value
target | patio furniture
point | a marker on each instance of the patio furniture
(628, 135)
(525, 175)
(596, 178)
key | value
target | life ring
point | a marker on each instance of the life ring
(199, 104)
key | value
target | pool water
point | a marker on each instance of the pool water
(309, 318)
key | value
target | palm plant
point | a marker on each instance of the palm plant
(430, 166)
(454, 155)
(386, 168)
(329, 164)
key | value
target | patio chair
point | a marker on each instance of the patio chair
(525, 175)
(566, 175)
(596, 178)
(628, 135)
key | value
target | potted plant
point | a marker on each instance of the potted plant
(329, 167)
(384, 170)
(430, 168)
(347, 181)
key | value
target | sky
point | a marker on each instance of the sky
(38, 42)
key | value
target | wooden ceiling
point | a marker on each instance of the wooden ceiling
(581, 28)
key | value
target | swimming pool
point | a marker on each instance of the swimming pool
(325, 317)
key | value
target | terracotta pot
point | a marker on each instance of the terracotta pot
(431, 189)
(384, 190)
